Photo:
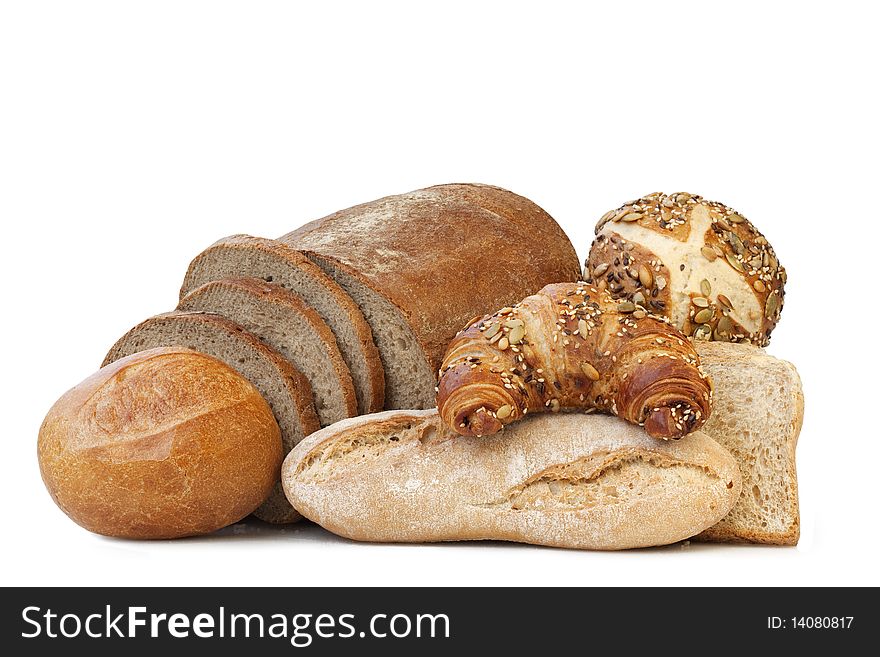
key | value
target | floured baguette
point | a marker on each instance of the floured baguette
(758, 410)
(564, 480)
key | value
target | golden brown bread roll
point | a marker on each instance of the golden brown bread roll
(697, 262)
(571, 347)
(162, 444)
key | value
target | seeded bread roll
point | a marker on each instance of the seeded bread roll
(243, 256)
(421, 265)
(164, 443)
(698, 262)
(575, 481)
(283, 386)
(287, 324)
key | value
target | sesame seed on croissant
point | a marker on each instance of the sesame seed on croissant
(572, 347)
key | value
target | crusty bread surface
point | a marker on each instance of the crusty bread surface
(421, 265)
(164, 443)
(564, 480)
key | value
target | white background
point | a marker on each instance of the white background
(132, 135)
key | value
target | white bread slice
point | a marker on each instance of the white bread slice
(757, 413)
(564, 480)
(285, 389)
(287, 324)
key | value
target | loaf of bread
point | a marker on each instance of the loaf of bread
(571, 347)
(422, 265)
(162, 444)
(290, 326)
(758, 413)
(243, 256)
(285, 388)
(698, 262)
(565, 480)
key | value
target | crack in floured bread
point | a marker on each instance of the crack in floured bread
(604, 478)
(347, 453)
(358, 449)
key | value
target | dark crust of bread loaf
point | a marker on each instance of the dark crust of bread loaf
(444, 254)
(271, 293)
(375, 396)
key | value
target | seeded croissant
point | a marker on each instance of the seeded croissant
(572, 347)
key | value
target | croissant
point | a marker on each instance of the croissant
(572, 347)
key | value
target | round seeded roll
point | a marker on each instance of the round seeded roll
(698, 262)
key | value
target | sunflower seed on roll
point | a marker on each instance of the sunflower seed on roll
(690, 254)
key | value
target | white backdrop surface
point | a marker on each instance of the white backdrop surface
(132, 135)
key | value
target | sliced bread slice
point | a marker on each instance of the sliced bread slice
(243, 256)
(757, 413)
(285, 389)
(287, 324)
(409, 377)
